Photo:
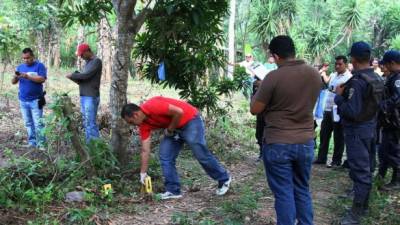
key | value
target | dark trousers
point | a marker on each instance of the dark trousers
(389, 152)
(260, 124)
(359, 151)
(327, 127)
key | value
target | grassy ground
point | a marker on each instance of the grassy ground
(230, 137)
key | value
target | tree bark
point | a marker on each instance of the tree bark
(81, 39)
(231, 37)
(128, 25)
(56, 49)
(119, 83)
(73, 127)
(105, 48)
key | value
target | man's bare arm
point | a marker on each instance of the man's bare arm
(176, 113)
(34, 78)
(145, 155)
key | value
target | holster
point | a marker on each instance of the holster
(42, 101)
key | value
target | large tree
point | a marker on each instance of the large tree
(185, 31)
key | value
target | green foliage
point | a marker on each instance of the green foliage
(184, 35)
(395, 42)
(191, 218)
(351, 14)
(26, 184)
(318, 37)
(236, 211)
(88, 12)
(81, 216)
(273, 17)
(10, 42)
(391, 21)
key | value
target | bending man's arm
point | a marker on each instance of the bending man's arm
(145, 155)
(176, 114)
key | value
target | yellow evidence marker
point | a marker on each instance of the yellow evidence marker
(107, 188)
(147, 187)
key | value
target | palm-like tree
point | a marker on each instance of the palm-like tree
(352, 20)
(273, 18)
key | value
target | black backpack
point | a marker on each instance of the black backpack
(376, 89)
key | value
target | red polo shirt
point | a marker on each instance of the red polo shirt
(156, 110)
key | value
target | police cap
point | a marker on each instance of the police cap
(391, 56)
(360, 49)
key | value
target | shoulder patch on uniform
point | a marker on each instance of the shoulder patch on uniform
(351, 92)
(397, 83)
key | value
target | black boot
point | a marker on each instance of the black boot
(353, 216)
(394, 183)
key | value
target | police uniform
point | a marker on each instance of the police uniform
(359, 131)
(389, 118)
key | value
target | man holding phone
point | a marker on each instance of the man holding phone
(89, 89)
(30, 76)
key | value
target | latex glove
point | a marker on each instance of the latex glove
(143, 177)
(169, 133)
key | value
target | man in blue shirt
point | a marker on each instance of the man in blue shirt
(30, 76)
(357, 102)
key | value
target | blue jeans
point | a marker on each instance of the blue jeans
(288, 168)
(193, 135)
(89, 106)
(33, 122)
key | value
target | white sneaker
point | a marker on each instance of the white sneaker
(168, 195)
(221, 190)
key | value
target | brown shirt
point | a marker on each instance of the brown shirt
(290, 93)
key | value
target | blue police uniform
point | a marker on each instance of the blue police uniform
(390, 146)
(359, 135)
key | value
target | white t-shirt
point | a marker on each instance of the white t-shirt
(335, 80)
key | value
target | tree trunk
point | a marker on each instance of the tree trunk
(56, 49)
(81, 39)
(119, 83)
(73, 127)
(104, 48)
(231, 37)
(42, 47)
(128, 25)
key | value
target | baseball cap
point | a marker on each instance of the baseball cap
(360, 48)
(390, 56)
(82, 48)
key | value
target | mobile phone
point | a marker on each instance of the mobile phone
(17, 73)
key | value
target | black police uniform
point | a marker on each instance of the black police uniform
(357, 108)
(390, 121)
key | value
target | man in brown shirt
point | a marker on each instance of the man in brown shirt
(287, 97)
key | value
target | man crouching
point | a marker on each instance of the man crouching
(182, 123)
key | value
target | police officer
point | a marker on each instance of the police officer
(357, 102)
(390, 121)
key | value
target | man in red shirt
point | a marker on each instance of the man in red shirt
(182, 123)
